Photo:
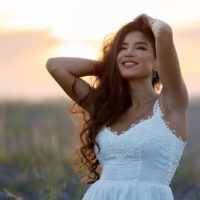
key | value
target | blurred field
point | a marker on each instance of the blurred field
(36, 145)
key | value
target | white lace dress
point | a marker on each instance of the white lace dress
(138, 164)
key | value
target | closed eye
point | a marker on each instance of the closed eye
(142, 48)
(121, 48)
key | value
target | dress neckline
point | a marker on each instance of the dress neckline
(156, 108)
(133, 125)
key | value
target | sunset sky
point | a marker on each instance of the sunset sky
(31, 31)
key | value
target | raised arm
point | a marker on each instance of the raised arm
(67, 70)
(174, 90)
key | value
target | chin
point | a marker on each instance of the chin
(134, 76)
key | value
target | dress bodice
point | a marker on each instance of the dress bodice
(147, 151)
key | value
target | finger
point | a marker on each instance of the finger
(144, 16)
(139, 16)
(146, 19)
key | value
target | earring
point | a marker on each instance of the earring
(155, 74)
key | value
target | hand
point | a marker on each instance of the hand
(146, 18)
(154, 24)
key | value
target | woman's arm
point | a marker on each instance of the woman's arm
(174, 89)
(67, 70)
(76, 66)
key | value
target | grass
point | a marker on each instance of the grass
(36, 145)
(35, 152)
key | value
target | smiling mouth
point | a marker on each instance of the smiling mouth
(129, 64)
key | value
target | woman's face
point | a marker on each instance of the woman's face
(136, 56)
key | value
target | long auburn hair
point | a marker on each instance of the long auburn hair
(109, 86)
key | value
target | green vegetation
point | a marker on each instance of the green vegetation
(36, 148)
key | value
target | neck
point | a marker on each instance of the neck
(141, 92)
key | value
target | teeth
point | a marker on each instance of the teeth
(130, 63)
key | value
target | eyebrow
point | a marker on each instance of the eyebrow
(137, 43)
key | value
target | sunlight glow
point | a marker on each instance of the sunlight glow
(75, 49)
(80, 20)
(34, 30)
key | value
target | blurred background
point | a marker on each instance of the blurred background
(36, 128)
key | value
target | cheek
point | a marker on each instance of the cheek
(149, 59)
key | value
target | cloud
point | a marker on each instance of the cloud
(20, 45)
(22, 56)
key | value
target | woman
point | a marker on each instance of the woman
(136, 126)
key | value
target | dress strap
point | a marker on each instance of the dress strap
(156, 107)
(160, 119)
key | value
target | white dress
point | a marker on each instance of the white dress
(139, 163)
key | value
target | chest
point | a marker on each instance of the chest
(146, 139)
(130, 118)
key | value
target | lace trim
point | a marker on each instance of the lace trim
(173, 132)
(136, 123)
(156, 108)
(132, 126)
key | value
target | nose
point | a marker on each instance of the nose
(130, 52)
(128, 55)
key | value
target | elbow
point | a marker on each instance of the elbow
(165, 33)
(49, 64)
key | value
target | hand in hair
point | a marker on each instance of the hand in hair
(157, 26)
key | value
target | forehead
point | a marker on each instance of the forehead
(135, 36)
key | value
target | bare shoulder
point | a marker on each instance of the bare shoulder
(175, 115)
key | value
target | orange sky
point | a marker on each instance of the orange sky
(26, 42)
